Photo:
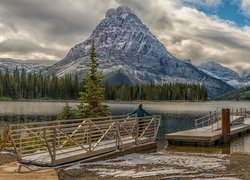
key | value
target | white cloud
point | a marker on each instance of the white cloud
(245, 6)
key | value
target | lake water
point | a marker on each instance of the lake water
(176, 116)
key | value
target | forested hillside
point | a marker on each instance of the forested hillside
(178, 91)
(22, 85)
(241, 94)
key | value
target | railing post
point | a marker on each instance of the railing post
(232, 113)
(195, 122)
(54, 143)
(117, 136)
(52, 155)
(155, 127)
(213, 122)
(226, 132)
(89, 137)
(210, 117)
(137, 131)
(20, 141)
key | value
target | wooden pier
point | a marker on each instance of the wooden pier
(54, 143)
(208, 129)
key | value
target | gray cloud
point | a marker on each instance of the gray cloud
(50, 22)
(49, 28)
(25, 48)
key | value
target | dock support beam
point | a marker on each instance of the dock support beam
(226, 133)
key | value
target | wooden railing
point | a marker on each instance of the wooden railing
(64, 137)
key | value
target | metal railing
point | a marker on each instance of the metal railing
(64, 138)
(213, 120)
(209, 121)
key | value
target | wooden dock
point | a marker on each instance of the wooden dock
(54, 143)
(210, 132)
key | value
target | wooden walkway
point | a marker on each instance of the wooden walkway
(211, 132)
(54, 143)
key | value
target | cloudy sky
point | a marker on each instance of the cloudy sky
(201, 30)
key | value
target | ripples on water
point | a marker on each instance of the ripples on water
(176, 116)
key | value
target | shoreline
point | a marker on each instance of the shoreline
(118, 101)
(145, 165)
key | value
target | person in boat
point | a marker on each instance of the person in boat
(140, 113)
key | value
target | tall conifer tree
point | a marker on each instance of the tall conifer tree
(91, 100)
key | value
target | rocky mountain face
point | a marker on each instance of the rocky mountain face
(246, 77)
(229, 76)
(27, 65)
(126, 49)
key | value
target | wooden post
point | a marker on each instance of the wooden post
(226, 133)
(226, 148)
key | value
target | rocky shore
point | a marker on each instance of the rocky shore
(170, 165)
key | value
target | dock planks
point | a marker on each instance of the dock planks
(201, 137)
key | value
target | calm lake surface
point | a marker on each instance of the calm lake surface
(176, 116)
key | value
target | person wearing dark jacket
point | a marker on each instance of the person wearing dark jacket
(140, 112)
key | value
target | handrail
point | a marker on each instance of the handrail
(207, 122)
(90, 135)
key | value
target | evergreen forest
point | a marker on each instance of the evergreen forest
(22, 85)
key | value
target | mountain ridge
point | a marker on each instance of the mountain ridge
(123, 42)
(27, 65)
(226, 74)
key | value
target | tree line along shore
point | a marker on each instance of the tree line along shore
(30, 86)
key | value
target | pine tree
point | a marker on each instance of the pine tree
(66, 112)
(91, 100)
(81, 108)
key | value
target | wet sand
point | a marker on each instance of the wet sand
(9, 167)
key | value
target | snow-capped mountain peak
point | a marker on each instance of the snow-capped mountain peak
(124, 43)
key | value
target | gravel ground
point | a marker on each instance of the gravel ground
(164, 166)
(171, 165)
(6, 158)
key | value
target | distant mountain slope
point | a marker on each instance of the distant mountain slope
(28, 65)
(240, 94)
(231, 77)
(124, 43)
